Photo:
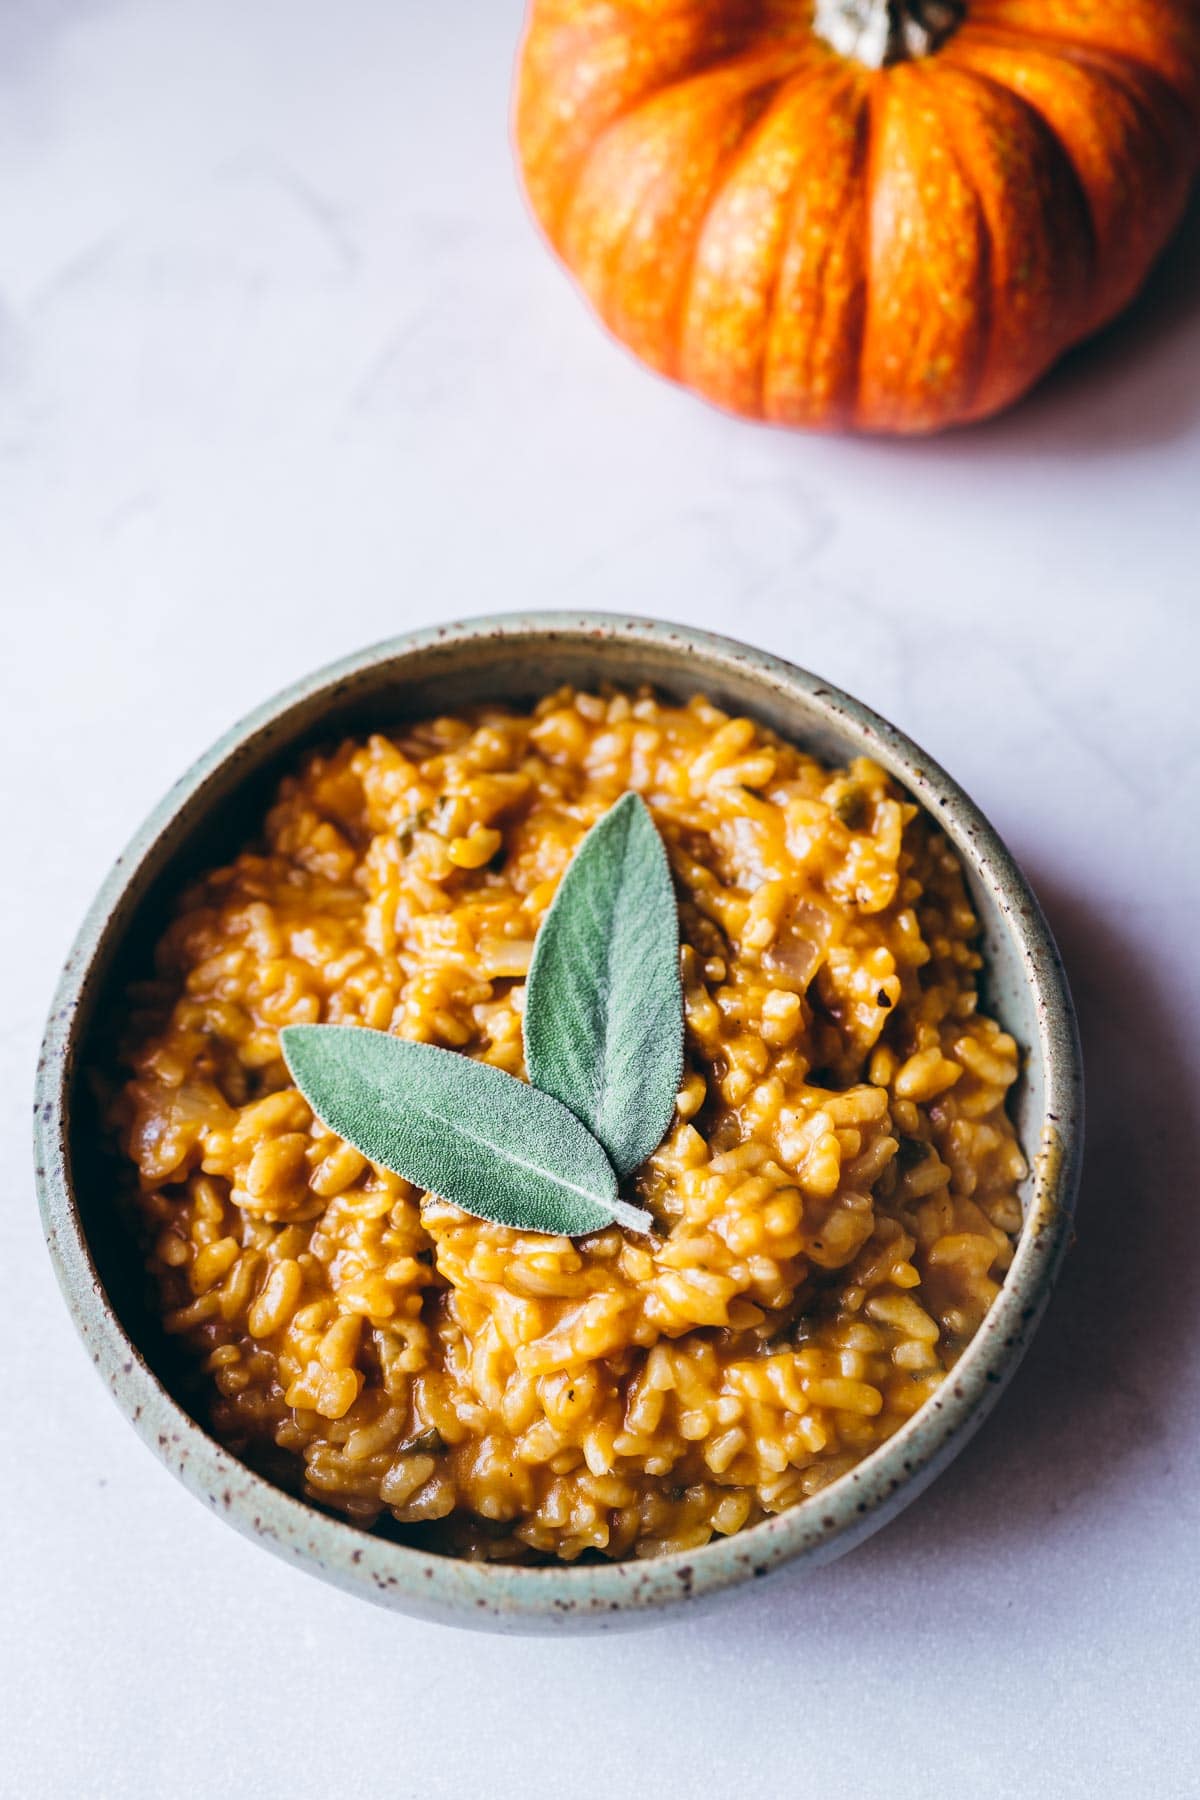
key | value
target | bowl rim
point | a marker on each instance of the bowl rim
(503, 1595)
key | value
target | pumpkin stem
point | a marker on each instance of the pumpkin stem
(880, 32)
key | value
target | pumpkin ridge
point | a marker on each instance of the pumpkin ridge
(652, 96)
(1064, 302)
(758, 101)
(1002, 16)
(985, 308)
(721, 177)
(787, 88)
(853, 351)
(708, 58)
(611, 272)
(871, 138)
(1146, 95)
(777, 272)
(919, 364)
(1053, 43)
(1058, 147)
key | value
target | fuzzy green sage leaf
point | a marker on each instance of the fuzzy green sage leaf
(603, 1003)
(461, 1129)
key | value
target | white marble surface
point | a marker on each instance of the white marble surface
(283, 369)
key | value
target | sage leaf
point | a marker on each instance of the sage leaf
(603, 1003)
(461, 1129)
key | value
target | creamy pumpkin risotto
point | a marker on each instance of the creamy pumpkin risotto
(835, 1201)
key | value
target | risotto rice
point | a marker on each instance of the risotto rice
(835, 1201)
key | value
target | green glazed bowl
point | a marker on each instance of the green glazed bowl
(214, 808)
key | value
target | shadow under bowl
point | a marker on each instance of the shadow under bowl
(219, 804)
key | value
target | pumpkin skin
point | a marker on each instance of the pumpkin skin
(804, 239)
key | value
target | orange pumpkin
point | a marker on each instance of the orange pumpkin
(882, 215)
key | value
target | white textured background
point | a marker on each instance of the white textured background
(283, 370)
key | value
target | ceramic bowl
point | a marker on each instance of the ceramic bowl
(203, 820)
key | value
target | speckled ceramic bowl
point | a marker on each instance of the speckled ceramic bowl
(203, 820)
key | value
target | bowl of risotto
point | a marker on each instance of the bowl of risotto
(816, 1279)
